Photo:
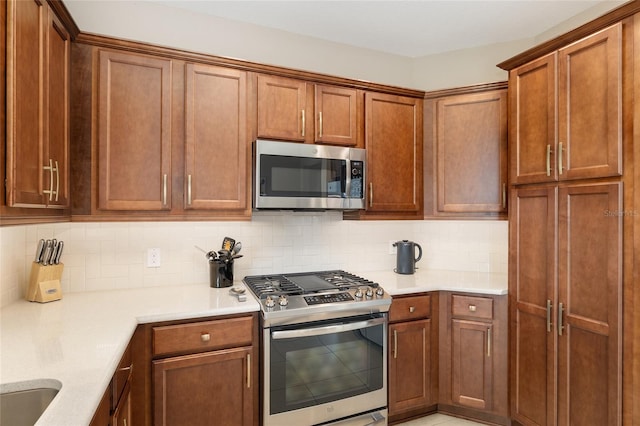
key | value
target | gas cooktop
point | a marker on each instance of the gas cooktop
(315, 295)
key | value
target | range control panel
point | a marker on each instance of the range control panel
(328, 298)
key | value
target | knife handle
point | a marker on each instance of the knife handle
(47, 253)
(40, 251)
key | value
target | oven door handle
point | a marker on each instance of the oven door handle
(330, 329)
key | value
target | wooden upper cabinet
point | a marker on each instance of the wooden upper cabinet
(336, 118)
(134, 132)
(282, 109)
(216, 141)
(393, 138)
(470, 154)
(57, 107)
(37, 107)
(590, 106)
(583, 83)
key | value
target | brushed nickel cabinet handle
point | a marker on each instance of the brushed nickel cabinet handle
(50, 190)
(164, 189)
(395, 344)
(189, 190)
(412, 309)
(248, 370)
(57, 180)
(504, 195)
(303, 123)
(472, 308)
(549, 306)
(320, 115)
(205, 337)
(548, 160)
(370, 194)
(488, 342)
(560, 158)
(560, 325)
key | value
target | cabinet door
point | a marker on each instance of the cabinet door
(471, 151)
(590, 290)
(56, 106)
(25, 126)
(122, 414)
(215, 145)
(134, 140)
(409, 366)
(282, 108)
(532, 106)
(336, 115)
(471, 369)
(211, 388)
(393, 139)
(532, 282)
(590, 106)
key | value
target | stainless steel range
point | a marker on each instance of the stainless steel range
(324, 338)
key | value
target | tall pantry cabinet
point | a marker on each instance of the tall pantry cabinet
(572, 182)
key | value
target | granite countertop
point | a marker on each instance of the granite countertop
(440, 280)
(75, 344)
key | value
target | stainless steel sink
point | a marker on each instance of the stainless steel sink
(24, 407)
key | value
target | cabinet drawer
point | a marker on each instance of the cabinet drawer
(472, 306)
(204, 335)
(409, 308)
(121, 377)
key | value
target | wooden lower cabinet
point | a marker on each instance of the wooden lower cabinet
(115, 408)
(412, 382)
(473, 356)
(204, 372)
(210, 388)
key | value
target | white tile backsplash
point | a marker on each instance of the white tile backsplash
(102, 256)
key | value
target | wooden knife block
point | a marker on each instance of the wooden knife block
(44, 283)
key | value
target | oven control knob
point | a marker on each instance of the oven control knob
(269, 302)
(369, 292)
(358, 293)
(283, 301)
(379, 292)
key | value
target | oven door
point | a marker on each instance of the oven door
(323, 371)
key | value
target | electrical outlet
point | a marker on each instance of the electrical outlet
(153, 258)
(392, 248)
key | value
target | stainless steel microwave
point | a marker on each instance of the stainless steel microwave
(298, 176)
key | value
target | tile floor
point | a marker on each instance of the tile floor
(439, 420)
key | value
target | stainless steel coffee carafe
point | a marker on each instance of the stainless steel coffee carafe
(406, 256)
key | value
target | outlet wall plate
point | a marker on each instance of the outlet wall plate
(153, 258)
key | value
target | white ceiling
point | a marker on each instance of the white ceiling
(408, 28)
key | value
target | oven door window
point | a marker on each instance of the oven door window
(283, 176)
(328, 366)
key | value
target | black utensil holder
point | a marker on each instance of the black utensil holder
(220, 273)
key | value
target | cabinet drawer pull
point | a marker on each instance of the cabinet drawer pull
(51, 170)
(548, 160)
(205, 337)
(504, 195)
(412, 309)
(472, 308)
(57, 180)
(560, 325)
(248, 370)
(303, 123)
(549, 306)
(370, 194)
(395, 344)
(488, 342)
(560, 158)
(164, 189)
(189, 190)
(320, 117)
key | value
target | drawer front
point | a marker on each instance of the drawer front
(410, 308)
(205, 335)
(472, 307)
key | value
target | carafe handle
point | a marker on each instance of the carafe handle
(419, 252)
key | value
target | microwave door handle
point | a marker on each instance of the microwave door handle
(330, 329)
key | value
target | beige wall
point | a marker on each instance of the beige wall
(158, 24)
